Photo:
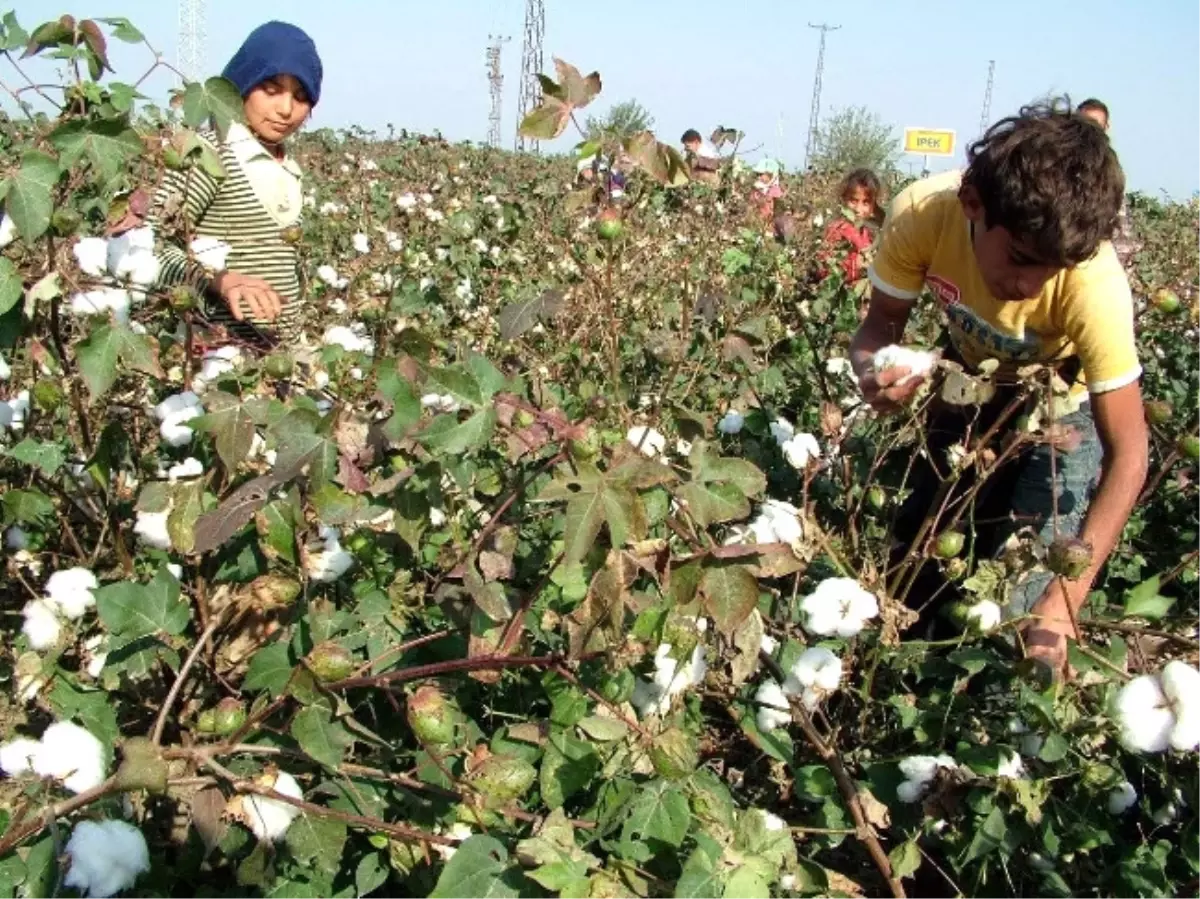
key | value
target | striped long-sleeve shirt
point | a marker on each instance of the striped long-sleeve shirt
(250, 209)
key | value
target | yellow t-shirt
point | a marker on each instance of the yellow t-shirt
(1085, 311)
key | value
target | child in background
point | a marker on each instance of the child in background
(860, 195)
(278, 72)
(767, 188)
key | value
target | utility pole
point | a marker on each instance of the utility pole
(496, 87)
(531, 66)
(191, 62)
(815, 112)
(985, 117)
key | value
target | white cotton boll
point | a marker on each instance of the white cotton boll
(1012, 767)
(918, 362)
(329, 564)
(270, 818)
(15, 538)
(818, 667)
(772, 822)
(778, 522)
(923, 768)
(985, 614)
(5, 371)
(1181, 685)
(8, 231)
(768, 644)
(1144, 715)
(16, 756)
(361, 243)
(683, 448)
(800, 449)
(41, 626)
(357, 373)
(71, 754)
(838, 365)
(176, 403)
(437, 517)
(102, 301)
(427, 199)
(352, 339)
(190, 467)
(909, 791)
(782, 430)
(151, 529)
(106, 857)
(779, 714)
(320, 379)
(406, 202)
(1122, 798)
(648, 441)
(211, 253)
(787, 882)
(131, 257)
(91, 253)
(331, 208)
(329, 275)
(70, 591)
(97, 654)
(840, 606)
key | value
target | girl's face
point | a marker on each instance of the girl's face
(276, 108)
(860, 202)
(764, 179)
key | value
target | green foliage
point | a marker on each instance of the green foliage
(855, 138)
(622, 121)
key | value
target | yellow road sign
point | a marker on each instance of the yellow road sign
(929, 141)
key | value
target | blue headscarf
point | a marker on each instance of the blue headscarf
(276, 48)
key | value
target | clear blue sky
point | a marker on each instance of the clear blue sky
(699, 63)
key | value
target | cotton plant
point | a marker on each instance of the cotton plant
(1157, 712)
(69, 594)
(671, 678)
(106, 857)
(66, 752)
(839, 606)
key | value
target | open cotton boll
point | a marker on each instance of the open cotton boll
(458, 831)
(1181, 685)
(329, 275)
(151, 529)
(269, 818)
(96, 653)
(174, 412)
(91, 253)
(1012, 767)
(131, 257)
(818, 667)
(106, 857)
(985, 615)
(71, 754)
(1122, 798)
(919, 771)
(331, 562)
(15, 538)
(648, 441)
(361, 243)
(782, 430)
(102, 301)
(799, 449)
(5, 371)
(1144, 715)
(8, 231)
(773, 711)
(406, 202)
(190, 467)
(16, 756)
(838, 365)
(210, 252)
(839, 606)
(731, 423)
(918, 362)
(352, 339)
(70, 591)
(41, 626)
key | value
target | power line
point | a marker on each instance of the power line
(531, 66)
(815, 112)
(985, 117)
(496, 87)
(191, 39)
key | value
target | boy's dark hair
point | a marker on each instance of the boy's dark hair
(1092, 104)
(690, 135)
(1051, 178)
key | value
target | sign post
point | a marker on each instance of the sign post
(928, 142)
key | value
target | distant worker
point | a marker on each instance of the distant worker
(703, 156)
(767, 188)
(853, 234)
(1124, 240)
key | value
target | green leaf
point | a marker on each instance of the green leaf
(989, 836)
(277, 528)
(701, 878)
(517, 318)
(320, 736)
(186, 510)
(129, 609)
(568, 766)
(10, 285)
(604, 729)
(26, 506)
(660, 812)
(905, 859)
(30, 199)
(41, 868)
(491, 380)
(721, 486)
(302, 440)
(215, 98)
(123, 30)
(371, 873)
(109, 144)
(457, 382)
(109, 344)
(448, 436)
(231, 424)
(730, 594)
(317, 842)
(91, 708)
(46, 457)
(748, 882)
(270, 669)
(479, 868)
(1144, 601)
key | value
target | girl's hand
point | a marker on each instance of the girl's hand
(244, 294)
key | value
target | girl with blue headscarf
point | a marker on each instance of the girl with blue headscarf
(253, 209)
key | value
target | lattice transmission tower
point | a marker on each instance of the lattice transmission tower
(531, 66)
(192, 35)
(495, 87)
(814, 117)
(985, 117)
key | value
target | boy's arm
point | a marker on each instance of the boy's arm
(1121, 426)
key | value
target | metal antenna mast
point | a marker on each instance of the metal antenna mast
(496, 86)
(815, 113)
(531, 66)
(191, 39)
(985, 118)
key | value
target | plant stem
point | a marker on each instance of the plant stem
(169, 703)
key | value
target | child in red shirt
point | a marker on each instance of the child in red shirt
(860, 194)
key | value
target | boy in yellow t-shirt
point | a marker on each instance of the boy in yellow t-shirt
(1015, 250)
